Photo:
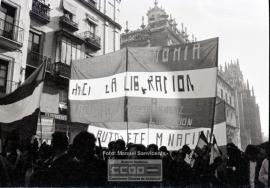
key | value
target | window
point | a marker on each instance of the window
(7, 19)
(67, 51)
(91, 27)
(34, 42)
(226, 97)
(230, 100)
(110, 9)
(68, 15)
(3, 75)
(93, 2)
(221, 93)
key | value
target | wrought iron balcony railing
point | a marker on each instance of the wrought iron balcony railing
(91, 39)
(41, 11)
(68, 23)
(62, 69)
(57, 69)
(35, 59)
(11, 35)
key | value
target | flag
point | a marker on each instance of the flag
(19, 110)
(215, 152)
(202, 143)
(174, 85)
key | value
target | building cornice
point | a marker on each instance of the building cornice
(104, 16)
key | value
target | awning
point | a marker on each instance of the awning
(92, 19)
(69, 7)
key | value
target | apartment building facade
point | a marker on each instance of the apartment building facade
(58, 32)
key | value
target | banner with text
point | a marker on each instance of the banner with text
(174, 85)
(173, 139)
(162, 135)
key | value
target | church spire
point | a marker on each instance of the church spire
(143, 26)
(126, 30)
(156, 3)
(247, 85)
(253, 91)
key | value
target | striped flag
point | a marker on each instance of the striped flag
(202, 143)
(215, 152)
(19, 110)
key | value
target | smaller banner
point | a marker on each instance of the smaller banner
(19, 110)
(171, 138)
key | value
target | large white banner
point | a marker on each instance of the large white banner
(171, 138)
(172, 85)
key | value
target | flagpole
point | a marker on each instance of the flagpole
(215, 98)
(40, 126)
(1, 140)
(68, 121)
(150, 120)
(126, 100)
(39, 113)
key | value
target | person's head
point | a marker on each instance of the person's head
(84, 144)
(265, 147)
(186, 149)
(251, 152)
(120, 145)
(174, 154)
(132, 149)
(163, 151)
(59, 141)
(233, 151)
(152, 148)
(12, 142)
(112, 146)
(180, 155)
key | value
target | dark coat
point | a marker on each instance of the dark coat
(62, 172)
(93, 172)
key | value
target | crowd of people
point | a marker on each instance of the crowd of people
(84, 163)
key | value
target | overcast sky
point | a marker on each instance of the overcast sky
(242, 28)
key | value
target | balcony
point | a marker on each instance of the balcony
(11, 36)
(35, 59)
(8, 88)
(69, 24)
(93, 6)
(90, 3)
(91, 40)
(62, 69)
(40, 11)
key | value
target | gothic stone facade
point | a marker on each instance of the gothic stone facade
(242, 112)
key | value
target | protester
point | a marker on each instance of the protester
(120, 147)
(252, 153)
(62, 169)
(182, 172)
(92, 170)
(263, 174)
(166, 162)
(82, 164)
(153, 151)
(11, 162)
